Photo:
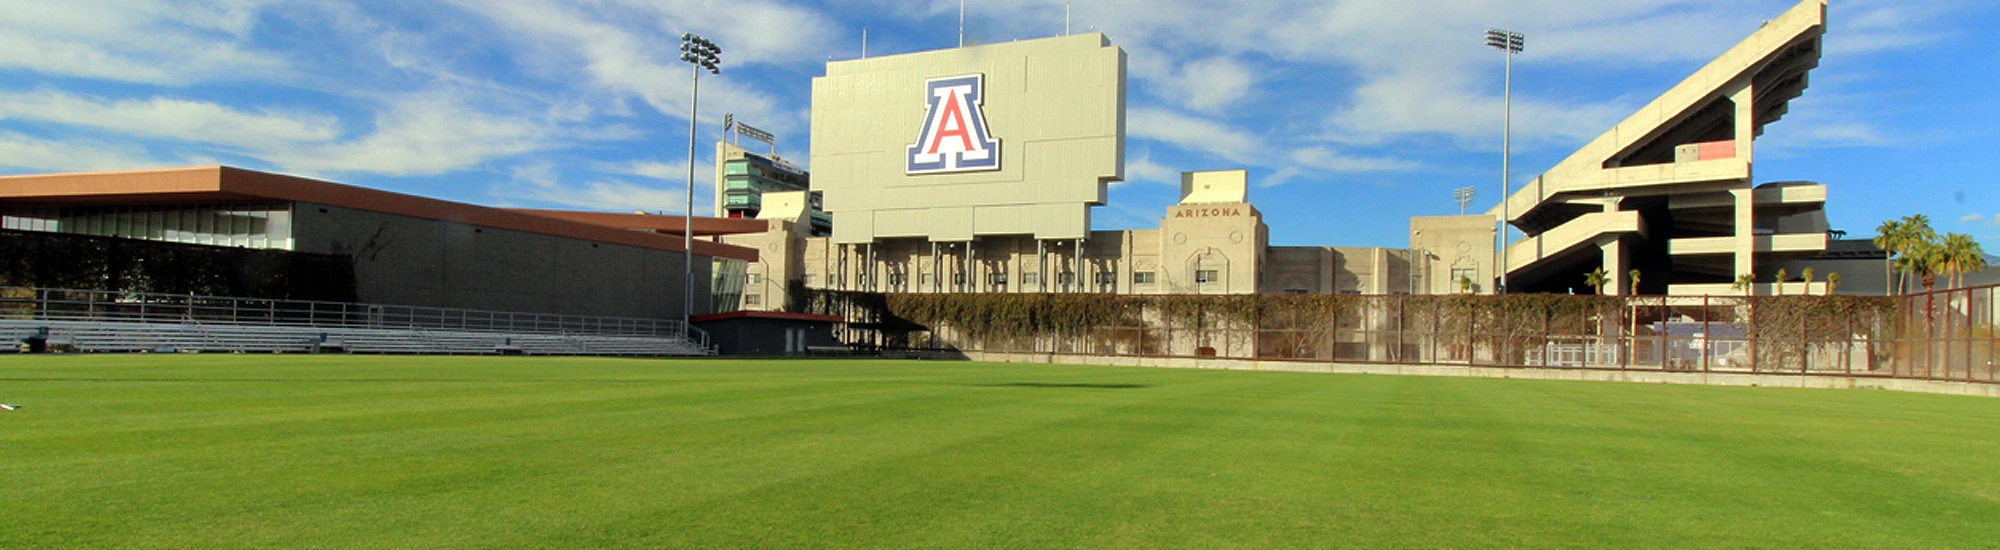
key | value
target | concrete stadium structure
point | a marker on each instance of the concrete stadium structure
(1670, 190)
(975, 170)
(1667, 192)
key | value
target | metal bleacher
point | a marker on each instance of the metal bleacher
(100, 321)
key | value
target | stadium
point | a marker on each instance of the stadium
(922, 340)
(972, 173)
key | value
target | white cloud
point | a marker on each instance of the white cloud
(422, 134)
(540, 184)
(38, 155)
(1875, 26)
(1970, 218)
(1334, 161)
(149, 41)
(1191, 133)
(1144, 170)
(195, 121)
(1208, 84)
(631, 49)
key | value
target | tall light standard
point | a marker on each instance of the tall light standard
(701, 54)
(1509, 43)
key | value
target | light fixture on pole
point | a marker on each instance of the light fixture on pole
(1509, 43)
(701, 54)
(1464, 197)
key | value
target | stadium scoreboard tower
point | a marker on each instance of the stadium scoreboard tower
(1011, 139)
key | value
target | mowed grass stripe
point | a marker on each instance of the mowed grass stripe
(329, 451)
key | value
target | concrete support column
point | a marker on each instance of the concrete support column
(1041, 266)
(1616, 261)
(1378, 281)
(1744, 96)
(1746, 230)
(1080, 284)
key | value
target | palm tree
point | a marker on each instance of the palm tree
(1807, 274)
(1744, 283)
(1905, 239)
(1596, 279)
(1888, 237)
(1635, 281)
(1780, 287)
(1925, 261)
(1832, 280)
(1958, 255)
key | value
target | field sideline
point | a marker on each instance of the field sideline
(237, 451)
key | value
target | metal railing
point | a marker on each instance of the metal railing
(97, 305)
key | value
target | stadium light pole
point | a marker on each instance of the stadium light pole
(700, 54)
(1509, 43)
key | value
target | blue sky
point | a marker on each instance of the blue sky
(1351, 115)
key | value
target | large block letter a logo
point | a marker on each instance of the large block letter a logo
(954, 138)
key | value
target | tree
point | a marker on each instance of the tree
(1957, 255)
(1744, 283)
(1780, 287)
(1807, 274)
(1635, 281)
(1832, 280)
(1465, 284)
(1596, 279)
(1925, 260)
(1888, 237)
(1904, 239)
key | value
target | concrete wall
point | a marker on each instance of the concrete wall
(410, 261)
(1447, 243)
(1056, 107)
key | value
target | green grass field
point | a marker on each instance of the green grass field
(224, 451)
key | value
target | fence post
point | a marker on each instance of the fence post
(1705, 341)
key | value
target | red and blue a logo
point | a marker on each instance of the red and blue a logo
(954, 138)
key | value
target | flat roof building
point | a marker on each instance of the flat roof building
(406, 250)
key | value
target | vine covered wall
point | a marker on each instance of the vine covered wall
(1799, 333)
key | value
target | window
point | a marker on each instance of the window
(1296, 291)
(1205, 276)
(997, 278)
(1066, 279)
(925, 279)
(1142, 277)
(752, 299)
(735, 167)
(897, 280)
(1464, 279)
(811, 280)
(1031, 279)
(958, 279)
(1107, 277)
(754, 278)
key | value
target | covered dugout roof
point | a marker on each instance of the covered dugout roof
(223, 184)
